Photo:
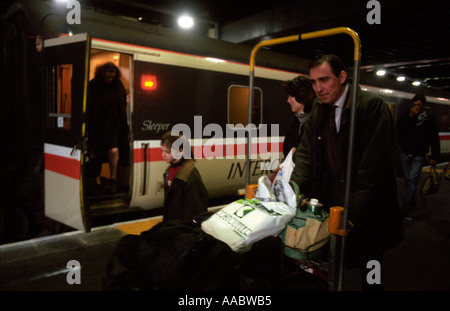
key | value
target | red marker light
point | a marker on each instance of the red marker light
(148, 82)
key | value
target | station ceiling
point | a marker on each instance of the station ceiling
(410, 38)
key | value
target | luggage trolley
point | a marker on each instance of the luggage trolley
(338, 228)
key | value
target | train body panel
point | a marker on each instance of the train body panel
(63, 186)
(65, 84)
(194, 92)
(207, 98)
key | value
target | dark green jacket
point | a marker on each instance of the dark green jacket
(187, 196)
(373, 206)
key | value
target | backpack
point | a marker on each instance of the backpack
(172, 256)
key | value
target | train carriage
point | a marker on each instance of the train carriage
(205, 97)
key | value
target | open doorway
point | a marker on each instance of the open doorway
(106, 187)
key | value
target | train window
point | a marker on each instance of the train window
(238, 105)
(59, 98)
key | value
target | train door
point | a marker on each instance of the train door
(66, 77)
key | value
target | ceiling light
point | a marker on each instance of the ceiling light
(381, 72)
(185, 21)
(416, 83)
(401, 78)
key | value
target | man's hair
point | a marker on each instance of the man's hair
(336, 64)
(421, 98)
(300, 87)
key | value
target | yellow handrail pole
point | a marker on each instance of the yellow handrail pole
(269, 42)
(250, 96)
(337, 31)
(356, 68)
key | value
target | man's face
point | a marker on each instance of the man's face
(417, 107)
(325, 84)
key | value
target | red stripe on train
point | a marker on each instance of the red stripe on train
(207, 152)
(444, 137)
(62, 165)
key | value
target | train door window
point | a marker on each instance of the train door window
(59, 98)
(238, 105)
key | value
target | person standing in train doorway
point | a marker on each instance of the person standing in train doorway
(417, 131)
(300, 98)
(321, 160)
(185, 195)
(107, 126)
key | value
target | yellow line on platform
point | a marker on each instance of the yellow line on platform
(139, 226)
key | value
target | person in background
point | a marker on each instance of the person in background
(107, 125)
(300, 98)
(417, 132)
(185, 195)
(321, 161)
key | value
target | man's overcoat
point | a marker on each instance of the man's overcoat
(373, 204)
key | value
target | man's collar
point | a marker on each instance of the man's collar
(341, 101)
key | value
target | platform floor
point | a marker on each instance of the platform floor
(420, 263)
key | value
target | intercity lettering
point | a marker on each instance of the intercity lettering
(257, 168)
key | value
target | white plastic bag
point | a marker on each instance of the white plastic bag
(284, 192)
(245, 221)
(287, 167)
(281, 188)
(264, 191)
